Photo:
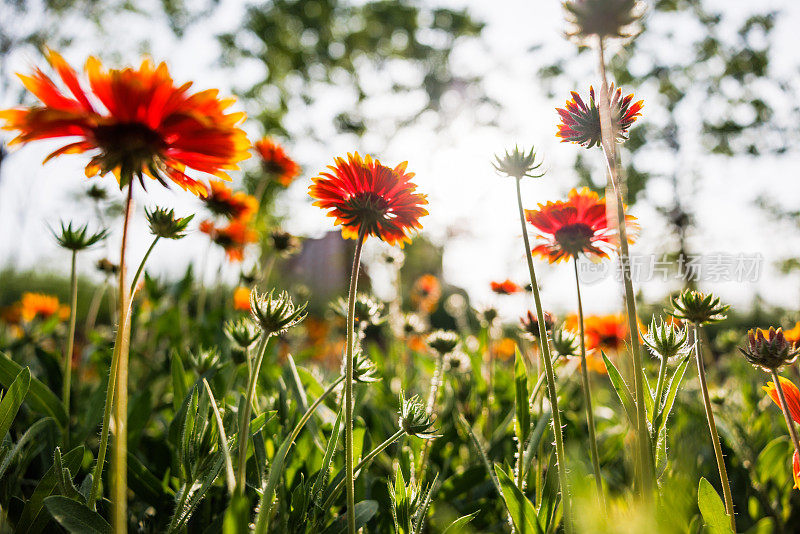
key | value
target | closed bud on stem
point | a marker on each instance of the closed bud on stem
(603, 18)
(163, 223)
(666, 340)
(275, 313)
(698, 308)
(443, 341)
(414, 419)
(769, 349)
(565, 342)
(518, 164)
(78, 238)
(242, 332)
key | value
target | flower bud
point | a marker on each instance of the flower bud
(275, 314)
(77, 239)
(442, 341)
(565, 343)
(769, 349)
(698, 308)
(518, 164)
(163, 223)
(666, 340)
(242, 332)
(414, 419)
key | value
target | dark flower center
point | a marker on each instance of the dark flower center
(574, 238)
(130, 146)
(367, 209)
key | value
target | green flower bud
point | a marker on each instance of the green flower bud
(275, 314)
(163, 223)
(518, 164)
(698, 308)
(78, 238)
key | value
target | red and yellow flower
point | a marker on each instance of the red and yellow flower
(225, 202)
(276, 164)
(792, 395)
(233, 238)
(580, 123)
(134, 123)
(39, 305)
(506, 287)
(365, 196)
(426, 292)
(605, 332)
(579, 225)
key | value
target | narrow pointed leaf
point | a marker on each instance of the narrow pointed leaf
(520, 508)
(75, 517)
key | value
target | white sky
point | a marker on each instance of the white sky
(467, 199)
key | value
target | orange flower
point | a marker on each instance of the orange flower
(505, 348)
(364, 195)
(581, 123)
(505, 288)
(276, 163)
(426, 293)
(33, 305)
(241, 299)
(605, 332)
(793, 334)
(577, 226)
(792, 395)
(134, 122)
(223, 201)
(233, 238)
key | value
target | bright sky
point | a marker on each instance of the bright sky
(468, 203)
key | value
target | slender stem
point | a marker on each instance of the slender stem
(552, 394)
(67, 374)
(94, 307)
(244, 421)
(608, 141)
(430, 409)
(587, 391)
(348, 387)
(786, 413)
(368, 458)
(120, 456)
(135, 281)
(662, 378)
(712, 428)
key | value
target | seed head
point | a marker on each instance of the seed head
(769, 349)
(242, 332)
(368, 311)
(163, 223)
(603, 18)
(78, 238)
(518, 164)
(565, 342)
(275, 313)
(698, 308)
(443, 341)
(666, 340)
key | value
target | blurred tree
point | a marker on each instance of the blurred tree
(354, 55)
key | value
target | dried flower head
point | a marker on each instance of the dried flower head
(105, 266)
(414, 419)
(580, 123)
(769, 349)
(135, 122)
(275, 313)
(576, 226)
(365, 196)
(666, 340)
(518, 164)
(530, 323)
(698, 308)
(242, 332)
(163, 223)
(603, 18)
(78, 238)
(442, 341)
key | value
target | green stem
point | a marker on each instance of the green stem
(368, 458)
(244, 421)
(430, 409)
(120, 456)
(587, 391)
(646, 468)
(348, 387)
(112, 381)
(712, 428)
(67, 374)
(662, 378)
(786, 413)
(552, 394)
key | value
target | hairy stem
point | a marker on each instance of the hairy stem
(244, 421)
(552, 394)
(67, 373)
(712, 428)
(587, 392)
(786, 413)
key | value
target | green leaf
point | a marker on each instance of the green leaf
(237, 515)
(40, 398)
(29, 434)
(145, 484)
(12, 400)
(481, 452)
(623, 392)
(457, 526)
(223, 440)
(520, 508)
(364, 512)
(32, 520)
(672, 391)
(75, 517)
(713, 509)
(179, 386)
(522, 424)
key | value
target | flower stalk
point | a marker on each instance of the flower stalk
(645, 457)
(712, 428)
(552, 394)
(587, 391)
(67, 372)
(785, 409)
(244, 421)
